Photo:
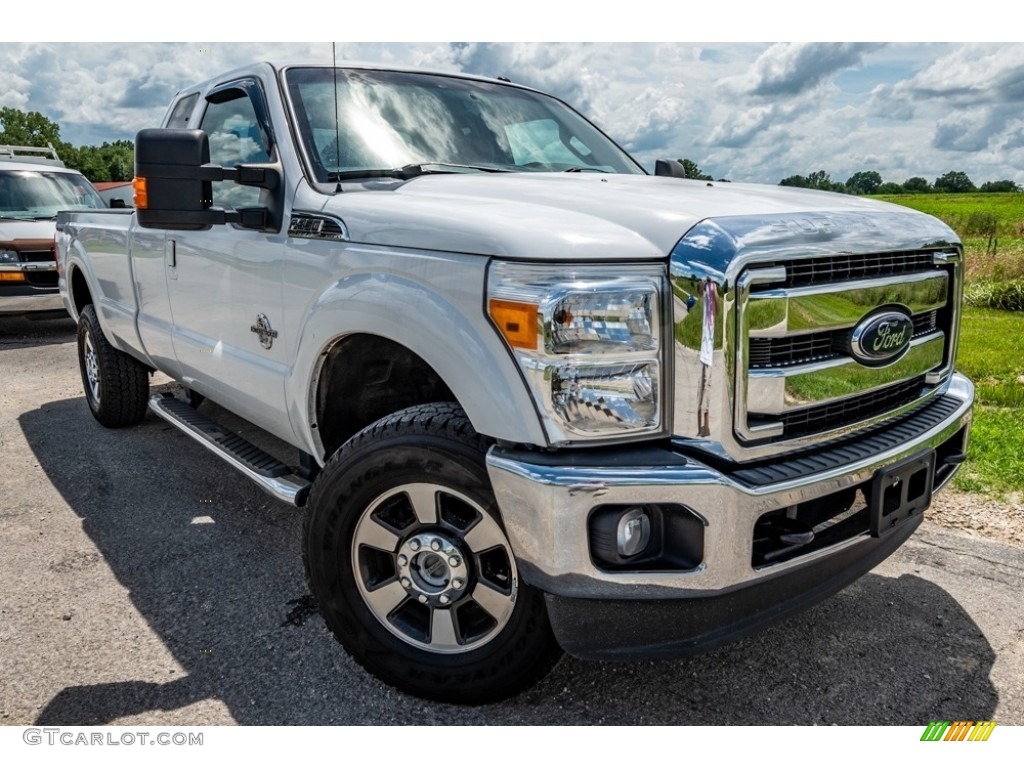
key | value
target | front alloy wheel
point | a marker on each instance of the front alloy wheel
(410, 566)
(434, 568)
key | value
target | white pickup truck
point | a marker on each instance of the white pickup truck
(541, 399)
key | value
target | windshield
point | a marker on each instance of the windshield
(378, 121)
(40, 194)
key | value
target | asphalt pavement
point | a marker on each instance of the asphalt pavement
(143, 582)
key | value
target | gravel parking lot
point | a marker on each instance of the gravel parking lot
(141, 582)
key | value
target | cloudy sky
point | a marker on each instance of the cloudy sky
(744, 111)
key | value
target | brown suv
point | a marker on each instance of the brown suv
(34, 185)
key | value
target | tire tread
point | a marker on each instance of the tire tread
(124, 382)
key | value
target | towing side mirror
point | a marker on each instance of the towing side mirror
(168, 191)
(173, 183)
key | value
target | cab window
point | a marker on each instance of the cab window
(235, 137)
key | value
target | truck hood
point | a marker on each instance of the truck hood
(571, 216)
(25, 230)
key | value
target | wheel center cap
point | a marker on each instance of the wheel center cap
(432, 569)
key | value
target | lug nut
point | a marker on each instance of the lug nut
(457, 583)
(453, 561)
(414, 545)
(422, 598)
(405, 582)
(444, 599)
(435, 545)
(403, 560)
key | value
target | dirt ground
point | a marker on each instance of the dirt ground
(980, 516)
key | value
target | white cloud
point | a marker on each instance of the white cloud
(746, 111)
(789, 69)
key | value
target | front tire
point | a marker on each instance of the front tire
(116, 384)
(412, 570)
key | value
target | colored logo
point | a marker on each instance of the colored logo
(881, 337)
(958, 730)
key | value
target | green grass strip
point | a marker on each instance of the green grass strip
(991, 354)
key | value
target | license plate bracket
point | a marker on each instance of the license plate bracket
(901, 491)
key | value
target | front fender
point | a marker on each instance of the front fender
(439, 316)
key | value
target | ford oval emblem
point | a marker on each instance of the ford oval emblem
(881, 337)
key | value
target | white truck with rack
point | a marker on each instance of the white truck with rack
(34, 185)
(542, 400)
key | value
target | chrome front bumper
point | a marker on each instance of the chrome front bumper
(546, 500)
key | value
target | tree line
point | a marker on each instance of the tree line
(871, 183)
(111, 161)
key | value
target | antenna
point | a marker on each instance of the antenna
(337, 127)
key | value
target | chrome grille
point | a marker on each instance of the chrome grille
(797, 372)
(36, 256)
(839, 269)
(816, 347)
(818, 419)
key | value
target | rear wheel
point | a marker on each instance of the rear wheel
(116, 384)
(412, 569)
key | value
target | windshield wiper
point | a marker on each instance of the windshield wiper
(412, 170)
(17, 218)
(578, 169)
(420, 169)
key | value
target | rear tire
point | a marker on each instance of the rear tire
(414, 575)
(116, 384)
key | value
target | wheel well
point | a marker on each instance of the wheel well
(79, 291)
(365, 378)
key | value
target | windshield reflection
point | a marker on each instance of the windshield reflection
(40, 194)
(381, 121)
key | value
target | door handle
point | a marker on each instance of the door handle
(171, 259)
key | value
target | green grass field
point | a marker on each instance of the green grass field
(967, 211)
(991, 354)
(991, 226)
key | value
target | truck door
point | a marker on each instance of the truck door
(225, 291)
(153, 264)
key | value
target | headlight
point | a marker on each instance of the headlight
(9, 257)
(588, 341)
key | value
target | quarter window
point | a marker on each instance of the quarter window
(182, 111)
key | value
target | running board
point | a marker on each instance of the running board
(274, 477)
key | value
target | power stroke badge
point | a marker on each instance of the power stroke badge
(264, 331)
(881, 337)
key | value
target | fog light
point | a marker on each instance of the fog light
(633, 533)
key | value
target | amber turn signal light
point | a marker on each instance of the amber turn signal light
(141, 198)
(517, 322)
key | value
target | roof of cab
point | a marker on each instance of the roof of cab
(272, 69)
(6, 164)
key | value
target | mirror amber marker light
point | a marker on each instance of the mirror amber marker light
(141, 198)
